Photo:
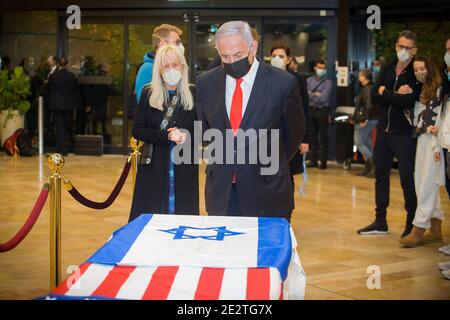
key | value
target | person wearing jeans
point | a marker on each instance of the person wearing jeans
(365, 120)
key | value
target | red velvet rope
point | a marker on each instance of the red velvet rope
(28, 225)
(105, 204)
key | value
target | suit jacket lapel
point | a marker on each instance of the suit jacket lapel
(221, 105)
(256, 95)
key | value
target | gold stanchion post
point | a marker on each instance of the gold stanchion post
(56, 163)
(134, 157)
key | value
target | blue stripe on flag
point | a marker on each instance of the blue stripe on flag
(274, 244)
(115, 249)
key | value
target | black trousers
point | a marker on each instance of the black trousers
(447, 180)
(388, 146)
(233, 205)
(61, 119)
(319, 134)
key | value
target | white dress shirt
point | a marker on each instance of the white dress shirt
(246, 85)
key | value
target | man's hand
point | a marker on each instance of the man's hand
(88, 109)
(381, 89)
(304, 148)
(317, 93)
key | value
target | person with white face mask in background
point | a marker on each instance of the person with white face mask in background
(396, 92)
(429, 165)
(163, 118)
(319, 90)
(280, 58)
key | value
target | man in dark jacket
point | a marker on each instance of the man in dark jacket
(394, 134)
(249, 95)
(62, 87)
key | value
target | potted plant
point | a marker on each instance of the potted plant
(14, 91)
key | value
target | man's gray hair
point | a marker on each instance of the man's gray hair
(235, 27)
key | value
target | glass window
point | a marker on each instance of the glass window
(28, 34)
(306, 41)
(96, 56)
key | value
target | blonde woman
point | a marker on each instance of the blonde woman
(165, 108)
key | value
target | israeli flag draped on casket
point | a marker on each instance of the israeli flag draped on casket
(191, 253)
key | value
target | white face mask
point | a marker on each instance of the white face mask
(181, 47)
(277, 62)
(172, 77)
(447, 59)
(403, 55)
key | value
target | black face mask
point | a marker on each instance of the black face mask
(237, 69)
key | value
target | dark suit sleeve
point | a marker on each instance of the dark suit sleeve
(293, 120)
(140, 130)
(306, 111)
(200, 105)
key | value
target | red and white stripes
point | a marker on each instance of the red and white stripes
(173, 283)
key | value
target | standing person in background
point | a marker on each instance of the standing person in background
(394, 134)
(292, 64)
(429, 167)
(280, 57)
(365, 120)
(319, 90)
(444, 132)
(446, 93)
(162, 35)
(62, 86)
(376, 68)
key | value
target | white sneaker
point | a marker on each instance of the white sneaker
(446, 274)
(444, 265)
(445, 249)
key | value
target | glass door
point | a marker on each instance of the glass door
(96, 56)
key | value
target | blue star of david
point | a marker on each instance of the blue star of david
(180, 233)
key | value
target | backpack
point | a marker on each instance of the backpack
(19, 144)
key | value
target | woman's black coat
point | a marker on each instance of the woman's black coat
(151, 194)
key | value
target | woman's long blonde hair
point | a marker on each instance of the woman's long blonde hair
(159, 95)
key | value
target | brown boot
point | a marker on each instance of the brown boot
(435, 234)
(414, 239)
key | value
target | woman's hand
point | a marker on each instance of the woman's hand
(433, 130)
(176, 135)
(404, 89)
(437, 156)
(381, 89)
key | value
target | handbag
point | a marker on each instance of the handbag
(147, 148)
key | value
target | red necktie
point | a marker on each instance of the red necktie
(236, 113)
(236, 107)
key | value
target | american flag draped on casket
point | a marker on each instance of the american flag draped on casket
(192, 258)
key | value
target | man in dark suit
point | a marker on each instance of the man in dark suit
(62, 86)
(246, 94)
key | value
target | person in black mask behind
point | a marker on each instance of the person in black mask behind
(245, 94)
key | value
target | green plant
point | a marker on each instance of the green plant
(14, 91)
